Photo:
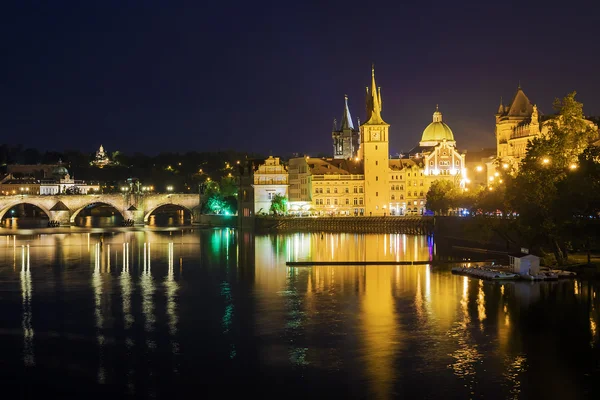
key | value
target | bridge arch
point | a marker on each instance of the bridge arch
(94, 203)
(7, 207)
(156, 207)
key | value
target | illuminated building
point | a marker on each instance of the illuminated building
(374, 151)
(371, 183)
(326, 186)
(101, 158)
(270, 179)
(435, 158)
(516, 125)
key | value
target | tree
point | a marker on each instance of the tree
(441, 196)
(279, 204)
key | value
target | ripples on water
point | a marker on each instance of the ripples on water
(151, 313)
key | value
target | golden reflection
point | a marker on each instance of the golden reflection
(126, 290)
(148, 287)
(516, 367)
(172, 288)
(97, 285)
(26, 294)
(481, 304)
(381, 329)
(356, 247)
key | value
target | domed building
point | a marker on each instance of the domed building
(437, 131)
(437, 150)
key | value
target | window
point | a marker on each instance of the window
(409, 174)
(376, 162)
(328, 201)
(421, 193)
(375, 147)
(401, 197)
(431, 163)
(355, 201)
(393, 197)
(376, 194)
(328, 190)
(271, 195)
(355, 189)
(334, 190)
(347, 201)
(376, 178)
(360, 201)
(421, 183)
(335, 202)
(360, 189)
(346, 190)
(401, 187)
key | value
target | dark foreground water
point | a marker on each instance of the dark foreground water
(210, 314)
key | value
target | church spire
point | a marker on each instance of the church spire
(374, 102)
(500, 107)
(346, 118)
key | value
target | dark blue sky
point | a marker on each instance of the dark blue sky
(270, 77)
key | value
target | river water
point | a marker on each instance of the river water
(152, 313)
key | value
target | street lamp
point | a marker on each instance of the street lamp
(169, 188)
(546, 161)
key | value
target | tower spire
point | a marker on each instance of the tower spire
(374, 101)
(500, 107)
(346, 118)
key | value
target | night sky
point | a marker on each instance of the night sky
(152, 76)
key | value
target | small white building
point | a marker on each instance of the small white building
(524, 264)
(270, 179)
(66, 185)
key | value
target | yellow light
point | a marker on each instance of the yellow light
(500, 181)
(479, 168)
(356, 159)
(491, 188)
(491, 178)
(496, 174)
(546, 161)
(573, 166)
(505, 166)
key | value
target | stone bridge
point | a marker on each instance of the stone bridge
(136, 207)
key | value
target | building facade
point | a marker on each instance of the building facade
(371, 183)
(270, 179)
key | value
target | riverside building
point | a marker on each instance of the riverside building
(362, 179)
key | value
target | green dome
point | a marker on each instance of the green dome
(437, 131)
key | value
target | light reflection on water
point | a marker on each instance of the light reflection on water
(239, 311)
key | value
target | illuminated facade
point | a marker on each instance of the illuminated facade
(101, 158)
(374, 152)
(516, 125)
(270, 179)
(372, 184)
(326, 186)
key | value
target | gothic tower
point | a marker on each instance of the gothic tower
(346, 138)
(374, 151)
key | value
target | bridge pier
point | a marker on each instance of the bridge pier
(62, 216)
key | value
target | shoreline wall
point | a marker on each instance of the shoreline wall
(407, 225)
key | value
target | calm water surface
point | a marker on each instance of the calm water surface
(189, 313)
